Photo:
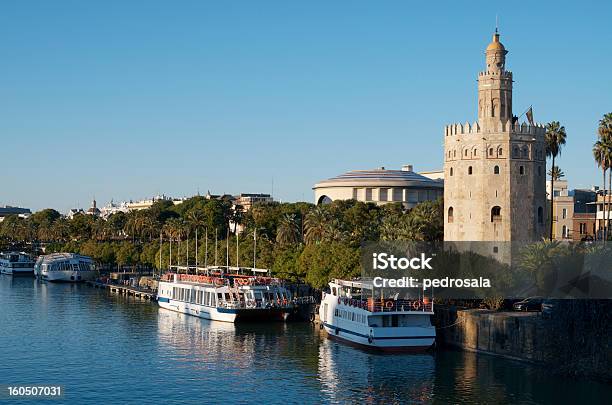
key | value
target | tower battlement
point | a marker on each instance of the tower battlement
(503, 127)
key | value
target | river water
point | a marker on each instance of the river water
(104, 348)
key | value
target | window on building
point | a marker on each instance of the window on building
(564, 213)
(465, 153)
(368, 194)
(355, 193)
(564, 231)
(521, 170)
(412, 196)
(475, 152)
(539, 170)
(496, 170)
(496, 214)
(383, 194)
(470, 170)
(398, 194)
(490, 151)
(582, 228)
(450, 215)
(525, 153)
(500, 152)
(451, 171)
(454, 153)
(515, 152)
(540, 215)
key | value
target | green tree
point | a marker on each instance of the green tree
(315, 223)
(602, 152)
(555, 138)
(288, 232)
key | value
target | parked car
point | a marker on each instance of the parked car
(529, 304)
(547, 308)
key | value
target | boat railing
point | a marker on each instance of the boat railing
(304, 300)
(382, 305)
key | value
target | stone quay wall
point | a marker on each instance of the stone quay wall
(573, 340)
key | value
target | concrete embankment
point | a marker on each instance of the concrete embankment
(573, 340)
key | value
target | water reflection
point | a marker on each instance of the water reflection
(129, 350)
(349, 374)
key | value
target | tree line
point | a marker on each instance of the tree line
(297, 241)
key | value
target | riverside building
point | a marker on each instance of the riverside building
(495, 168)
(380, 186)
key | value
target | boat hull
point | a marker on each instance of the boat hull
(224, 314)
(411, 340)
(200, 311)
(17, 271)
(68, 276)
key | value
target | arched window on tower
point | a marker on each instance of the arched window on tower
(522, 170)
(515, 152)
(490, 151)
(496, 214)
(496, 170)
(451, 171)
(470, 170)
(540, 215)
(450, 215)
(500, 152)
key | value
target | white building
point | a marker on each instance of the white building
(380, 186)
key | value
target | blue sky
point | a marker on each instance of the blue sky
(127, 99)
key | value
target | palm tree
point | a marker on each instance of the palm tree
(602, 151)
(316, 224)
(556, 173)
(288, 232)
(555, 138)
(602, 157)
(196, 220)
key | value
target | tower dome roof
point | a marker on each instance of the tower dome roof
(495, 45)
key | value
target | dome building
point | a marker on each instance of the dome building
(380, 186)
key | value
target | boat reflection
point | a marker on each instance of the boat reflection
(347, 374)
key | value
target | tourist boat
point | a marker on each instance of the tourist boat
(65, 267)
(225, 297)
(352, 313)
(16, 263)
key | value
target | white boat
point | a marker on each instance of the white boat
(16, 263)
(228, 297)
(65, 267)
(352, 313)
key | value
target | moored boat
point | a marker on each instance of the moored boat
(16, 263)
(65, 267)
(352, 313)
(225, 297)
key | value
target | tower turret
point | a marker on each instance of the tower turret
(494, 88)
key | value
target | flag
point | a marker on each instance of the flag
(530, 116)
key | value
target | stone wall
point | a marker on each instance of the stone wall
(573, 340)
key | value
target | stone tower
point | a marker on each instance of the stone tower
(494, 169)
